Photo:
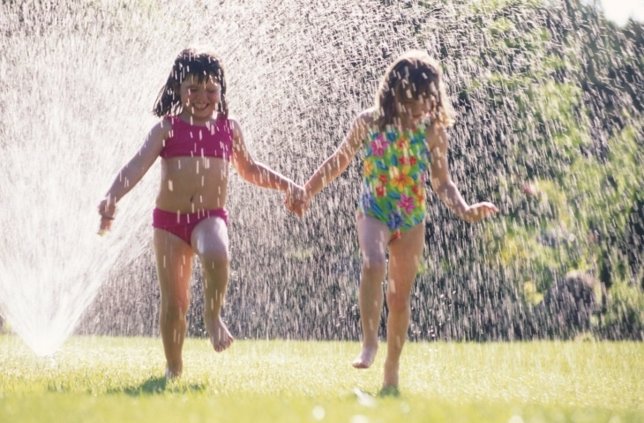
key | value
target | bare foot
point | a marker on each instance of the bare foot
(389, 391)
(366, 357)
(171, 375)
(391, 375)
(220, 338)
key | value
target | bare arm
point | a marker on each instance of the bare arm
(254, 172)
(131, 174)
(337, 162)
(442, 182)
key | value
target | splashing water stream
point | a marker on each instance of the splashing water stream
(78, 83)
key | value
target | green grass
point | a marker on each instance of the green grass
(120, 380)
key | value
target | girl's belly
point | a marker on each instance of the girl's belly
(190, 184)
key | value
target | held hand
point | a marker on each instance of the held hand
(299, 207)
(296, 201)
(107, 210)
(479, 211)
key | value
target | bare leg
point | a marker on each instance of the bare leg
(404, 257)
(174, 269)
(373, 237)
(210, 240)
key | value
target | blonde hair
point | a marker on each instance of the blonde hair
(413, 75)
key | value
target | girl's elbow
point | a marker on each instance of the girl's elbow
(439, 186)
(245, 170)
(254, 176)
(249, 176)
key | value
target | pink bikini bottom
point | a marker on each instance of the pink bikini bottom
(182, 224)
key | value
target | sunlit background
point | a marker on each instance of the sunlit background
(548, 96)
(621, 10)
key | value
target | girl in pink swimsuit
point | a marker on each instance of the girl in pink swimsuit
(196, 140)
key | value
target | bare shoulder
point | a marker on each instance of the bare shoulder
(235, 126)
(436, 135)
(161, 130)
(366, 118)
(238, 142)
(233, 121)
(361, 124)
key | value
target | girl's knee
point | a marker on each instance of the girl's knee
(176, 310)
(218, 256)
(397, 302)
(374, 265)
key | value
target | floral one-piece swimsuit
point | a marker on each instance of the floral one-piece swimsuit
(394, 178)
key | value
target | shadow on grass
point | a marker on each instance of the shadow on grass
(158, 385)
(368, 399)
(389, 392)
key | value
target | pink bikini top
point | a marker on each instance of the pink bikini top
(186, 140)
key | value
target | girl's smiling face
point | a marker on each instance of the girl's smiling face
(199, 99)
(413, 111)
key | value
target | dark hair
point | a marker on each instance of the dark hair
(190, 62)
(412, 76)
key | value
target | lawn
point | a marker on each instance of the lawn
(106, 379)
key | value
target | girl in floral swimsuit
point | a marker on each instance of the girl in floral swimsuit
(394, 177)
(398, 135)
